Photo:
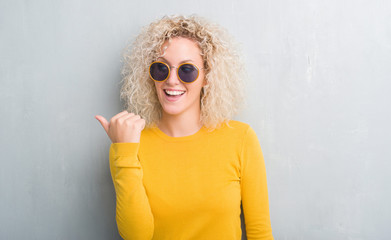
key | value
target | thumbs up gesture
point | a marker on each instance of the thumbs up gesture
(123, 127)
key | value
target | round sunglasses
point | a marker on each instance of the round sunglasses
(186, 72)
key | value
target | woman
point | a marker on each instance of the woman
(180, 167)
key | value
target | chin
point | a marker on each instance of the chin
(172, 111)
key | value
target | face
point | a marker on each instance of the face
(180, 50)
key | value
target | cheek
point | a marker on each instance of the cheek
(158, 92)
(202, 79)
(157, 87)
(196, 89)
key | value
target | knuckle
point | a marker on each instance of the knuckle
(129, 122)
(140, 123)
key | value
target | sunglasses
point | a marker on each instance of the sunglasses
(186, 72)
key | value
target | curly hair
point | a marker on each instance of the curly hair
(221, 97)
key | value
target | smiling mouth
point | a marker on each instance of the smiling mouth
(173, 93)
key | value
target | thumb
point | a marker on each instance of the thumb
(104, 123)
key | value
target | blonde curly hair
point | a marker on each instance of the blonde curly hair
(221, 97)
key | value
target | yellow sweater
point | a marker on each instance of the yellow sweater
(191, 187)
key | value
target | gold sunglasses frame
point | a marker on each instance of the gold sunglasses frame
(177, 74)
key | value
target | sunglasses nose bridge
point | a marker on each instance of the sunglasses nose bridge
(173, 77)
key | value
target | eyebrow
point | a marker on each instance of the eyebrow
(184, 61)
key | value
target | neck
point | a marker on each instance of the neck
(185, 124)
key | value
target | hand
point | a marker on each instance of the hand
(123, 127)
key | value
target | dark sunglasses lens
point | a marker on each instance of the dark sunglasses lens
(159, 71)
(188, 73)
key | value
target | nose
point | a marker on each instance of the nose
(173, 78)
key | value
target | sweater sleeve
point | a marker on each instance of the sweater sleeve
(254, 189)
(133, 212)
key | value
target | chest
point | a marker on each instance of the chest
(201, 178)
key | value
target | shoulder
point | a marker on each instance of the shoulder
(234, 128)
(241, 135)
(238, 125)
(149, 133)
(242, 130)
(235, 125)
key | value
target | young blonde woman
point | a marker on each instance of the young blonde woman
(181, 167)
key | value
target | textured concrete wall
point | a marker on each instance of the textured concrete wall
(317, 98)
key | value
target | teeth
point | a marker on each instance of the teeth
(174, 93)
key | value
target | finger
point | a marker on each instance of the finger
(142, 122)
(130, 117)
(119, 115)
(103, 122)
(125, 116)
